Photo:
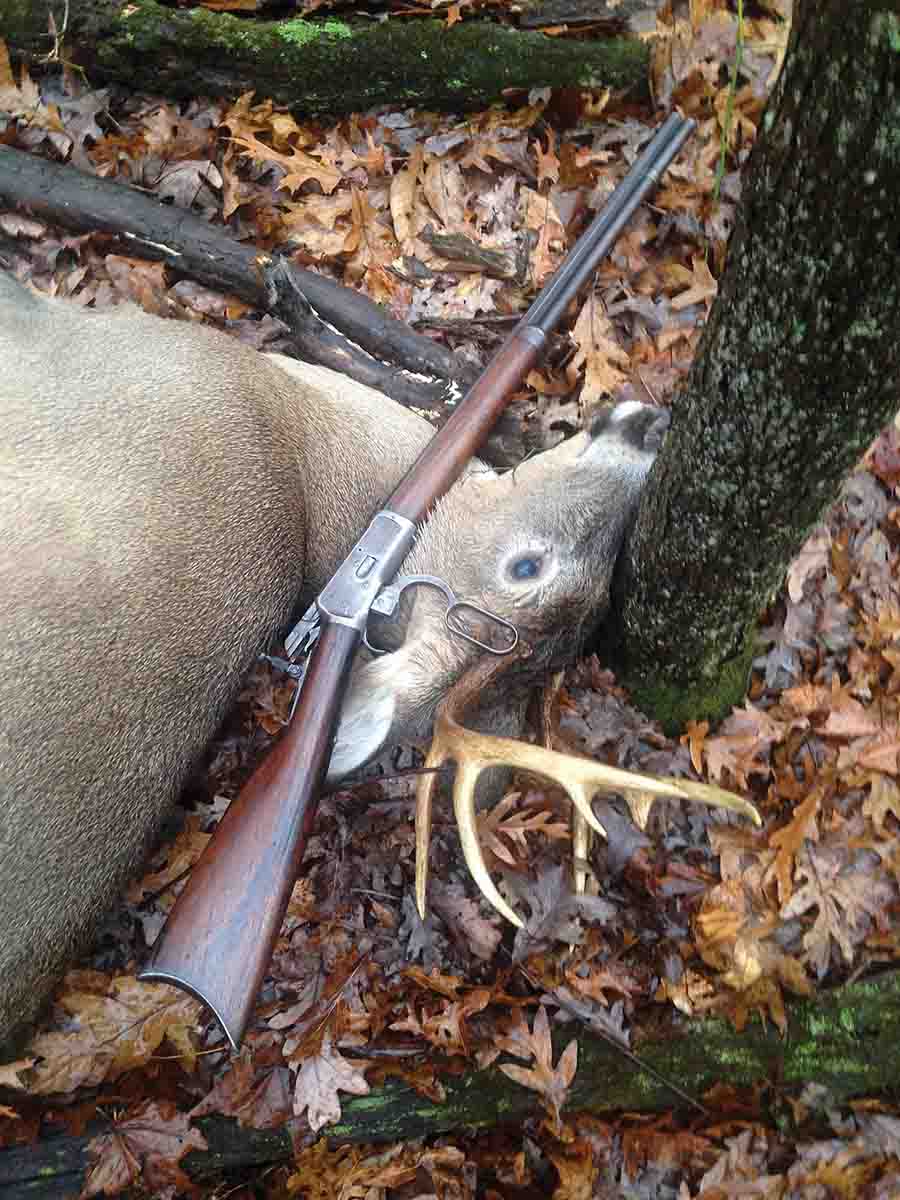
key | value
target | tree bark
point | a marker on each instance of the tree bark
(847, 1040)
(796, 372)
(325, 67)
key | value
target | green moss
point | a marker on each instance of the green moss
(300, 33)
(888, 24)
(322, 67)
(710, 700)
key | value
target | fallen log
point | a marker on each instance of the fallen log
(847, 1040)
(316, 67)
(192, 248)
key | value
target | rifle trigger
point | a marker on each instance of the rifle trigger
(295, 671)
(304, 635)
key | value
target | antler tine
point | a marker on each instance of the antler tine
(475, 752)
(458, 699)
(581, 848)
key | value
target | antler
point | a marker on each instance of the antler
(474, 752)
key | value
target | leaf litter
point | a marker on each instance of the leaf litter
(694, 911)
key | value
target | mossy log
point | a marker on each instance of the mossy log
(846, 1040)
(321, 67)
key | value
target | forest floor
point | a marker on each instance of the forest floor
(698, 911)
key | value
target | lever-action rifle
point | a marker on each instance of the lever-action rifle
(217, 942)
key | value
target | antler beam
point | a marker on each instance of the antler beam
(581, 778)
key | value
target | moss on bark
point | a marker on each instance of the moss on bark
(317, 67)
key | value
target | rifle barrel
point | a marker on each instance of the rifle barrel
(598, 239)
(218, 940)
(442, 460)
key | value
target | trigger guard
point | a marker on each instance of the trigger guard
(395, 590)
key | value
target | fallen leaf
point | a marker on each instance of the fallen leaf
(146, 1147)
(319, 1079)
(788, 841)
(551, 1083)
(882, 801)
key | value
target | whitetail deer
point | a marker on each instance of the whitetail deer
(168, 498)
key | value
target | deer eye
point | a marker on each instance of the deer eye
(526, 567)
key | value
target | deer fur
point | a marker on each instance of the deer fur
(168, 499)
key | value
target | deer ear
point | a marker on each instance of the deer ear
(368, 712)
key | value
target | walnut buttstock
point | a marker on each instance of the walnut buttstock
(220, 934)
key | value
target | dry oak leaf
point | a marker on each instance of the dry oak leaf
(551, 1083)
(577, 1166)
(179, 856)
(463, 918)
(882, 801)
(507, 823)
(298, 165)
(743, 743)
(789, 840)
(703, 286)
(599, 353)
(541, 216)
(850, 719)
(547, 160)
(808, 698)
(445, 191)
(695, 739)
(24, 99)
(403, 196)
(9, 1073)
(369, 243)
(319, 1079)
(259, 1099)
(739, 1172)
(147, 1146)
(815, 556)
(114, 1033)
(447, 1028)
(448, 986)
(881, 755)
(844, 899)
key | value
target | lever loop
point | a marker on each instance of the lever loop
(454, 613)
(389, 598)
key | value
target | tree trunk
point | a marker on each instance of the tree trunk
(315, 67)
(847, 1040)
(796, 372)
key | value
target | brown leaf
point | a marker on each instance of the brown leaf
(599, 353)
(695, 739)
(510, 820)
(703, 285)
(852, 719)
(447, 1028)
(882, 801)
(743, 744)
(542, 218)
(881, 755)
(298, 165)
(147, 1146)
(319, 1079)
(788, 841)
(445, 191)
(403, 194)
(258, 1098)
(114, 1033)
(547, 160)
(843, 898)
(9, 1073)
(551, 1083)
